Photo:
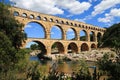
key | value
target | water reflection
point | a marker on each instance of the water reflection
(66, 67)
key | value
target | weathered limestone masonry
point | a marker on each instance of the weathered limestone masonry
(47, 21)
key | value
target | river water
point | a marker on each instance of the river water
(66, 67)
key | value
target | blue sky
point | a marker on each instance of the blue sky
(102, 13)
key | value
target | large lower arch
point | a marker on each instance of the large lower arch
(72, 48)
(57, 48)
(35, 30)
(93, 46)
(84, 47)
(40, 44)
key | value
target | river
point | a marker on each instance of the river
(66, 67)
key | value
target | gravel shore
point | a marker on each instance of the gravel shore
(92, 55)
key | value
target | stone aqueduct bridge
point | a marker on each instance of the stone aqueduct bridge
(47, 21)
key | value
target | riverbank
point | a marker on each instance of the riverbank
(92, 55)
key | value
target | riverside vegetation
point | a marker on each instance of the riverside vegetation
(15, 63)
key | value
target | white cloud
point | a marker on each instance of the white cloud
(43, 6)
(70, 30)
(74, 6)
(106, 19)
(104, 5)
(109, 17)
(71, 34)
(92, 1)
(28, 26)
(52, 33)
(53, 6)
(56, 27)
(80, 20)
(115, 12)
(69, 15)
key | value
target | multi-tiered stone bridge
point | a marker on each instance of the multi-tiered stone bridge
(63, 45)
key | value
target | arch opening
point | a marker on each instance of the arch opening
(84, 47)
(34, 30)
(92, 36)
(36, 48)
(24, 15)
(16, 13)
(38, 18)
(45, 19)
(57, 48)
(71, 34)
(72, 48)
(93, 46)
(83, 35)
(99, 36)
(67, 23)
(51, 20)
(56, 30)
(57, 21)
(62, 22)
(31, 16)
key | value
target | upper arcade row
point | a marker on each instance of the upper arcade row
(39, 16)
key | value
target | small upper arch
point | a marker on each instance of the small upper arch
(45, 19)
(51, 20)
(16, 13)
(57, 21)
(62, 22)
(38, 18)
(31, 16)
(24, 15)
(75, 24)
(71, 24)
(67, 23)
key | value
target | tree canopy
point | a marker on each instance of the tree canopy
(7, 53)
(111, 38)
(112, 33)
(35, 47)
(11, 38)
(10, 26)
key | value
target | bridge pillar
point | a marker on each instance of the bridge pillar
(48, 50)
(79, 49)
(89, 46)
(78, 37)
(65, 49)
(48, 34)
(88, 36)
(64, 35)
(95, 37)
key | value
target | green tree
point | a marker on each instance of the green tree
(111, 38)
(7, 54)
(83, 38)
(11, 38)
(35, 47)
(11, 27)
(111, 69)
(83, 73)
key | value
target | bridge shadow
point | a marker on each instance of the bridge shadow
(42, 56)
